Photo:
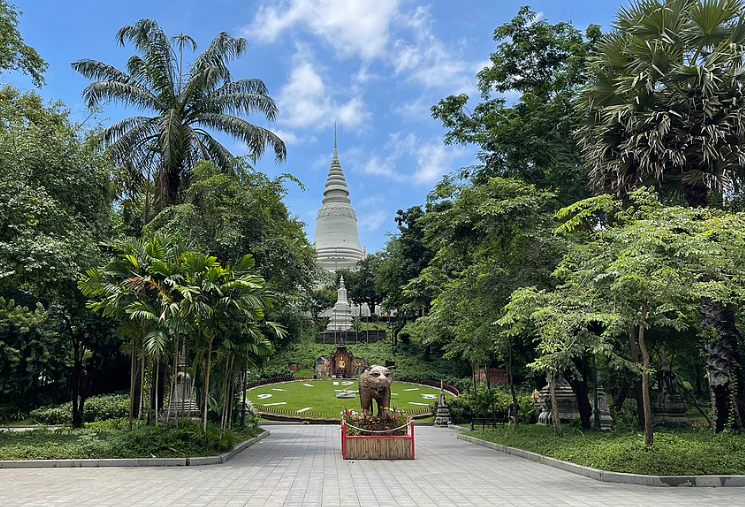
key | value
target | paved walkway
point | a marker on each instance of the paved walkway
(301, 466)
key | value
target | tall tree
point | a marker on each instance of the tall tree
(531, 138)
(185, 101)
(55, 202)
(15, 54)
(665, 107)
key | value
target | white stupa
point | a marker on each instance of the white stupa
(337, 241)
(341, 313)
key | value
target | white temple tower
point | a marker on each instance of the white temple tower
(337, 241)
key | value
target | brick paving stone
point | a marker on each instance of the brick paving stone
(301, 466)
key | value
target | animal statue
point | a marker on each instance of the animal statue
(375, 384)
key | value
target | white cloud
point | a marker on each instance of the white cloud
(351, 27)
(427, 60)
(372, 221)
(433, 160)
(306, 101)
(371, 201)
(410, 159)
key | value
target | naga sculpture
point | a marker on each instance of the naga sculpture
(375, 384)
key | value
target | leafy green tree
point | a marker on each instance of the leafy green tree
(404, 258)
(228, 215)
(55, 202)
(15, 54)
(489, 239)
(664, 107)
(641, 269)
(361, 283)
(530, 139)
(664, 104)
(167, 299)
(186, 102)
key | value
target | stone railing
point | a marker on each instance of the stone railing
(347, 337)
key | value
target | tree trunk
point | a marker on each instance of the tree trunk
(141, 389)
(554, 405)
(157, 388)
(75, 381)
(205, 388)
(648, 421)
(620, 394)
(723, 365)
(634, 353)
(723, 362)
(132, 382)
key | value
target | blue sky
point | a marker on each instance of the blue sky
(373, 66)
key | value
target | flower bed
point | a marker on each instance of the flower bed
(367, 437)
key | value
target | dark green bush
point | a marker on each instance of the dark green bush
(488, 403)
(96, 408)
(112, 439)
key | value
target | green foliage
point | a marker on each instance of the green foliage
(54, 196)
(186, 100)
(691, 452)
(360, 283)
(488, 402)
(489, 239)
(410, 363)
(97, 408)
(403, 259)
(14, 53)
(110, 439)
(229, 215)
(664, 103)
(167, 298)
(531, 139)
(55, 200)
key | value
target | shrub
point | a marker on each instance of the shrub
(96, 408)
(112, 439)
(105, 407)
(488, 402)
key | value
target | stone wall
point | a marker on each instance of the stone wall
(347, 337)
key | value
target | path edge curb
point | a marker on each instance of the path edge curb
(614, 477)
(135, 462)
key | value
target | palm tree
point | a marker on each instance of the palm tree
(183, 105)
(665, 103)
(225, 303)
(132, 289)
(665, 107)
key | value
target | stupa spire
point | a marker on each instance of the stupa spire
(336, 154)
(336, 190)
(337, 241)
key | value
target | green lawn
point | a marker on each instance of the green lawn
(681, 452)
(317, 398)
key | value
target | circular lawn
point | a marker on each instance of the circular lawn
(317, 398)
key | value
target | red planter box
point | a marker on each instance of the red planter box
(377, 446)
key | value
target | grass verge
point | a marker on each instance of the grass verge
(675, 452)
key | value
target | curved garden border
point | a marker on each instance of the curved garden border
(134, 462)
(285, 417)
(615, 477)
